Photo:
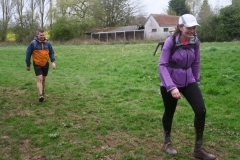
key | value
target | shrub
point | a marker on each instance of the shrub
(65, 29)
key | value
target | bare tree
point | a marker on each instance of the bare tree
(51, 13)
(73, 8)
(43, 4)
(25, 24)
(26, 15)
(7, 7)
(19, 10)
(118, 12)
(33, 6)
(79, 10)
(195, 6)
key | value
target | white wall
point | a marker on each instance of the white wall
(149, 26)
(152, 24)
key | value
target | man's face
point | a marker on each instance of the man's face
(41, 36)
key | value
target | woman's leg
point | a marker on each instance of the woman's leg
(170, 104)
(194, 96)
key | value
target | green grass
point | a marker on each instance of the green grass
(103, 103)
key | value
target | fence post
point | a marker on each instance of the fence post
(134, 35)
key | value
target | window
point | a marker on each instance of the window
(165, 29)
(154, 30)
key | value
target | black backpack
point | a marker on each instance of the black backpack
(174, 48)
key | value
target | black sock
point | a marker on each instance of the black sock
(198, 143)
(167, 139)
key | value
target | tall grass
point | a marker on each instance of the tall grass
(103, 103)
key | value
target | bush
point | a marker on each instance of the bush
(228, 26)
(25, 28)
(207, 31)
(224, 27)
(65, 29)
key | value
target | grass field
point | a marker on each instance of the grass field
(103, 103)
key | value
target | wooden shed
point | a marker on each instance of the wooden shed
(118, 33)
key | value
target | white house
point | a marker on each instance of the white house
(160, 26)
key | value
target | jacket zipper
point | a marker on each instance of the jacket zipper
(186, 69)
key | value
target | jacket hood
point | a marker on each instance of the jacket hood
(193, 40)
(36, 38)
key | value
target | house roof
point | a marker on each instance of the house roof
(115, 29)
(163, 19)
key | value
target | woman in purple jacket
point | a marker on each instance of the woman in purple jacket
(179, 72)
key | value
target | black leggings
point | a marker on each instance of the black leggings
(194, 97)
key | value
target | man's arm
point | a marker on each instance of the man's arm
(51, 54)
(28, 56)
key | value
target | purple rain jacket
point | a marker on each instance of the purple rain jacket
(177, 77)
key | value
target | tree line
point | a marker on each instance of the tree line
(65, 19)
(68, 19)
(217, 24)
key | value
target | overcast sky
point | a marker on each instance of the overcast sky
(158, 6)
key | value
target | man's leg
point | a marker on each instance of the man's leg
(43, 84)
(44, 73)
(39, 75)
(40, 87)
(40, 84)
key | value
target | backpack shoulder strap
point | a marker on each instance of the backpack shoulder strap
(34, 43)
(159, 44)
(174, 47)
(192, 44)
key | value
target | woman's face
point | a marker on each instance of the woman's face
(187, 32)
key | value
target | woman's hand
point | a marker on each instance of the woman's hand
(176, 94)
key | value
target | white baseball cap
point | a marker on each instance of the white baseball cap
(188, 20)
